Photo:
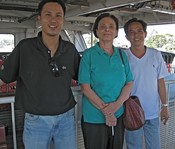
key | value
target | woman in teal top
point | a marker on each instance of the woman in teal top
(106, 83)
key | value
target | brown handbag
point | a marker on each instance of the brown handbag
(134, 117)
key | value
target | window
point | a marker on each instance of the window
(6, 43)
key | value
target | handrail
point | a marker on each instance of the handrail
(168, 83)
(11, 100)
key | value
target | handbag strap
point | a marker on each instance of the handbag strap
(121, 56)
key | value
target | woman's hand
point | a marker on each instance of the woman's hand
(111, 120)
(112, 107)
(109, 109)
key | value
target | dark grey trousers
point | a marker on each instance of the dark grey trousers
(99, 136)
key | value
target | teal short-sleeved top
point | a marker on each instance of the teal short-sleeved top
(106, 75)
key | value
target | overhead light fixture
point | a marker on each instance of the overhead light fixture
(7, 19)
(165, 11)
(80, 23)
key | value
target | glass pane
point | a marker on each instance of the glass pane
(6, 43)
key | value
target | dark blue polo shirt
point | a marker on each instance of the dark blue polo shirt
(38, 90)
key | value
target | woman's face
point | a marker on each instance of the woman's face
(107, 29)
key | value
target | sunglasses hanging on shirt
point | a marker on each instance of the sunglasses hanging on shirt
(53, 67)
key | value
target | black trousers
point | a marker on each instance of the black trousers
(99, 136)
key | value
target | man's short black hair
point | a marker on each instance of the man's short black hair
(43, 2)
(101, 17)
(144, 25)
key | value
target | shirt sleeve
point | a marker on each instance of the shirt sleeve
(84, 69)
(76, 64)
(10, 68)
(129, 76)
(162, 69)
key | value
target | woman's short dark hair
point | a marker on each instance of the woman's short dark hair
(101, 17)
(43, 2)
(144, 25)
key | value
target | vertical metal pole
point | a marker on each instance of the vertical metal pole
(92, 38)
(166, 127)
(76, 123)
(13, 125)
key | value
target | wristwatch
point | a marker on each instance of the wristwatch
(164, 105)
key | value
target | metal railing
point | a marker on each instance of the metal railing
(167, 132)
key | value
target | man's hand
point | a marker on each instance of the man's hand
(1, 82)
(164, 114)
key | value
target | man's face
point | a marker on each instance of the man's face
(136, 34)
(51, 19)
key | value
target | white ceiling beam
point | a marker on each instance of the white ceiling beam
(95, 6)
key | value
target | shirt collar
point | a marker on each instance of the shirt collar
(40, 44)
(101, 51)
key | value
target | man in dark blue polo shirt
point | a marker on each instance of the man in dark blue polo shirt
(43, 68)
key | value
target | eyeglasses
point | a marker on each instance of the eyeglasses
(54, 68)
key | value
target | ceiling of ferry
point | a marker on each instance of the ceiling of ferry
(80, 14)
